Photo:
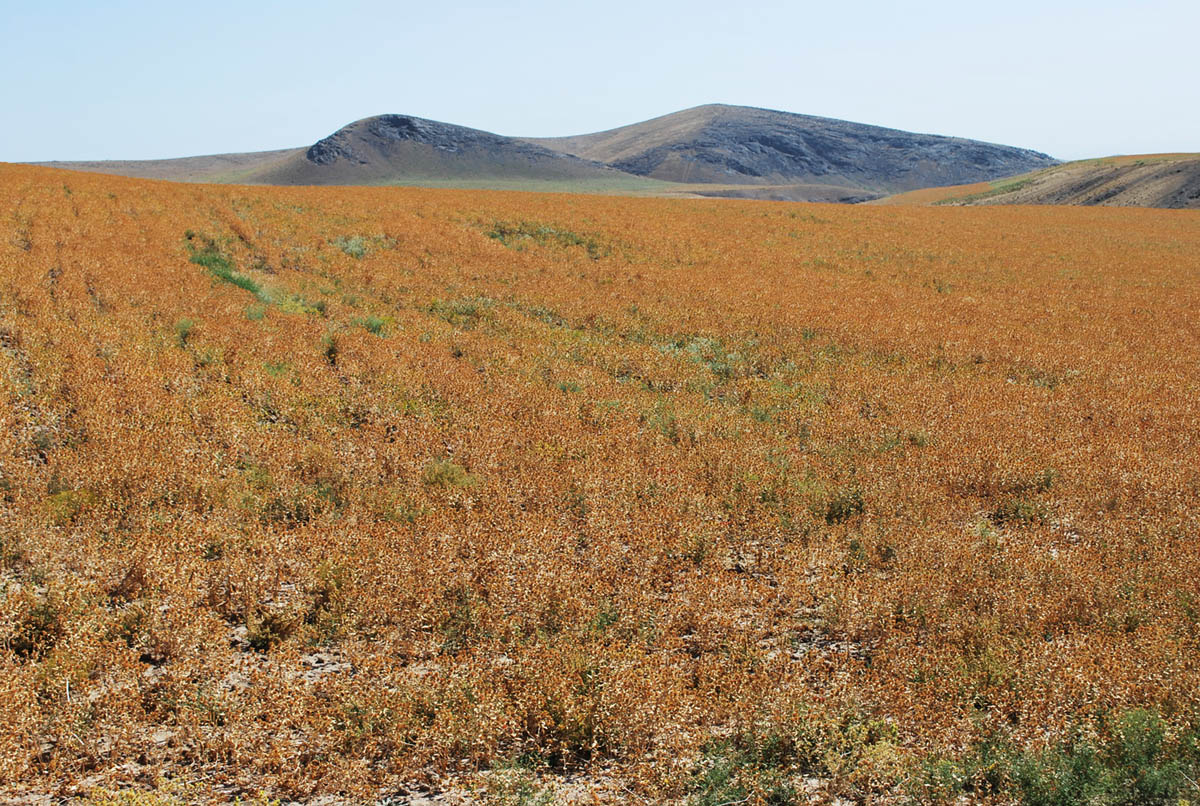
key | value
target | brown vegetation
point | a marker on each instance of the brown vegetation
(333, 490)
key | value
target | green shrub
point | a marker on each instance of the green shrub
(1144, 769)
(285, 509)
(400, 509)
(664, 421)
(460, 621)
(267, 628)
(761, 414)
(517, 235)
(329, 348)
(982, 770)
(444, 473)
(372, 324)
(166, 792)
(461, 313)
(183, 329)
(749, 767)
(521, 792)
(1134, 763)
(606, 616)
(354, 246)
(1060, 777)
(1018, 511)
(221, 266)
(918, 439)
(37, 631)
(546, 316)
(65, 506)
(843, 506)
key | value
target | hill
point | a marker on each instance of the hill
(397, 149)
(735, 144)
(210, 168)
(1149, 180)
(390, 149)
(342, 495)
(706, 151)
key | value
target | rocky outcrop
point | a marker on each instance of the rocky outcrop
(355, 142)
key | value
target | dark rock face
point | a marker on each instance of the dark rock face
(445, 136)
(332, 149)
(379, 132)
(757, 146)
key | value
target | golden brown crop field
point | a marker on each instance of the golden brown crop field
(520, 497)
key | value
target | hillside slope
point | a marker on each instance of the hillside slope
(395, 148)
(209, 168)
(734, 144)
(1149, 180)
(381, 150)
(710, 151)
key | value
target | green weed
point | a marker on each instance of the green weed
(844, 505)
(517, 235)
(183, 329)
(444, 473)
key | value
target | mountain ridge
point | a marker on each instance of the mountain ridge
(393, 146)
(715, 149)
(751, 145)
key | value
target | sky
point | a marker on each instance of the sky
(149, 80)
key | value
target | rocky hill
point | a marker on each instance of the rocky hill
(743, 145)
(708, 151)
(388, 149)
(395, 148)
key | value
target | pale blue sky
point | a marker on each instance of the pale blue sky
(129, 80)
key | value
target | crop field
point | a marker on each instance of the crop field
(529, 498)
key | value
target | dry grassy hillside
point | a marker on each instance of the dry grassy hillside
(359, 491)
(1149, 180)
(242, 168)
